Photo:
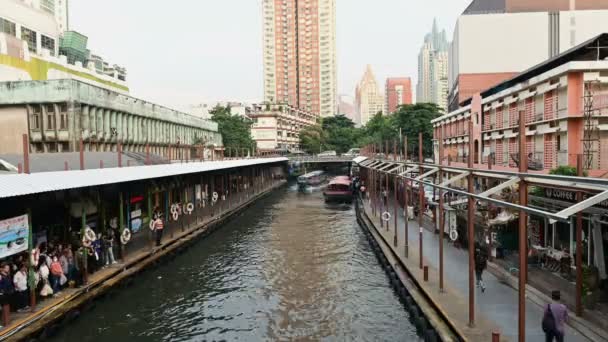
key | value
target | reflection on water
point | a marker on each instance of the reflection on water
(290, 268)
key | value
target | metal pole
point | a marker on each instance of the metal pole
(523, 166)
(396, 206)
(386, 189)
(31, 276)
(81, 154)
(441, 214)
(119, 150)
(395, 150)
(579, 243)
(471, 230)
(147, 154)
(372, 184)
(420, 197)
(405, 203)
(26, 154)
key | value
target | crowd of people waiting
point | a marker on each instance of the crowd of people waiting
(55, 267)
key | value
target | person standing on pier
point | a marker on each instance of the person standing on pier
(158, 228)
(481, 262)
(21, 290)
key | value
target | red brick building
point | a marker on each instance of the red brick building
(398, 91)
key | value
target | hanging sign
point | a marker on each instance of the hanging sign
(14, 235)
(570, 196)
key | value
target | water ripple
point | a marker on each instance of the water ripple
(291, 268)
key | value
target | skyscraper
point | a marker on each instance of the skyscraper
(300, 67)
(433, 69)
(58, 8)
(398, 91)
(369, 100)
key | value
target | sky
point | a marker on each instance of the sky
(185, 52)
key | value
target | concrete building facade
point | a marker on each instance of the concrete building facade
(346, 107)
(278, 126)
(56, 114)
(398, 92)
(433, 69)
(368, 98)
(202, 110)
(515, 35)
(34, 45)
(565, 106)
(300, 62)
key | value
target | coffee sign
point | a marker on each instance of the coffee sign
(570, 196)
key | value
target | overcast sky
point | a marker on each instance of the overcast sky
(181, 52)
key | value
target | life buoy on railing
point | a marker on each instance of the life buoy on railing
(86, 243)
(215, 196)
(453, 235)
(175, 216)
(190, 208)
(89, 234)
(174, 208)
(386, 216)
(125, 236)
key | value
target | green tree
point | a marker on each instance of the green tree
(378, 130)
(235, 129)
(340, 133)
(312, 139)
(416, 118)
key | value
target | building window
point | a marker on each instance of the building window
(35, 118)
(48, 5)
(48, 43)
(63, 116)
(50, 117)
(29, 36)
(8, 27)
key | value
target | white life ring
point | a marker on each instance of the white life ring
(174, 208)
(86, 243)
(215, 196)
(175, 216)
(453, 235)
(89, 234)
(151, 225)
(125, 236)
(190, 208)
(386, 216)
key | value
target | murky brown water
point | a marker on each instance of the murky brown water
(289, 268)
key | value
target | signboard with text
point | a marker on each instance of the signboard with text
(570, 196)
(14, 236)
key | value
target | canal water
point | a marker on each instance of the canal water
(288, 268)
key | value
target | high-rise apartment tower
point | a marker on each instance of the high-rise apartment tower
(300, 67)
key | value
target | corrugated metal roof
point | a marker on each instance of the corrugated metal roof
(359, 159)
(23, 184)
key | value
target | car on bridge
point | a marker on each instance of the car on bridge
(353, 152)
(327, 154)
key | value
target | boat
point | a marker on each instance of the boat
(311, 179)
(339, 189)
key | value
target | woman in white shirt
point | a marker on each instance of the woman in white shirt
(21, 293)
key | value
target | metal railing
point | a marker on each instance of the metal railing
(322, 159)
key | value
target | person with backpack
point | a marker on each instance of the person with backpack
(554, 319)
(481, 262)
